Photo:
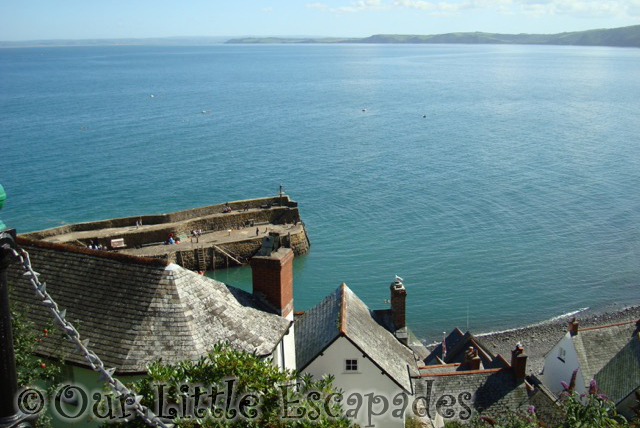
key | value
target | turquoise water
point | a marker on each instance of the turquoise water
(514, 199)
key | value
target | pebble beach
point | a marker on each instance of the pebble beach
(538, 339)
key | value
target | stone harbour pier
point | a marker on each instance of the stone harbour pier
(203, 238)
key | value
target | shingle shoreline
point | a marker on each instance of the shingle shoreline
(540, 338)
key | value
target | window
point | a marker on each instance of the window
(351, 366)
(562, 353)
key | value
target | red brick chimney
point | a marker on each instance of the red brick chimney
(273, 279)
(398, 303)
(573, 326)
(519, 362)
(471, 358)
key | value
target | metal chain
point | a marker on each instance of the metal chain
(72, 334)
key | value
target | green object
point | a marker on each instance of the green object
(3, 197)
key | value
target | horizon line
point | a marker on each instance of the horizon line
(227, 37)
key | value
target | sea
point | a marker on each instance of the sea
(501, 182)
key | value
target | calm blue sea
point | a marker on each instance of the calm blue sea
(501, 182)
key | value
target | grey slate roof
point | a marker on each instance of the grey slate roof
(450, 341)
(136, 310)
(621, 375)
(490, 392)
(342, 313)
(611, 355)
(457, 343)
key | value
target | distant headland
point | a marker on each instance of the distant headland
(615, 37)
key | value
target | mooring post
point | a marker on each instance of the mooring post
(10, 417)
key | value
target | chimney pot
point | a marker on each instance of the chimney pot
(398, 303)
(273, 279)
(471, 358)
(573, 326)
(519, 362)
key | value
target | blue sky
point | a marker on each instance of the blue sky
(86, 19)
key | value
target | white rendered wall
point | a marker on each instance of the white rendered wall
(284, 356)
(556, 371)
(369, 379)
(289, 342)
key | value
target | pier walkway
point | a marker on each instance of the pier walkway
(222, 237)
(227, 234)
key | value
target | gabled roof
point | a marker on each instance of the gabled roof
(343, 314)
(456, 344)
(595, 346)
(611, 355)
(135, 310)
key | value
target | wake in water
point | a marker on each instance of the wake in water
(537, 324)
(548, 321)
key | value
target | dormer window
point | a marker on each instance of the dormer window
(562, 353)
(351, 366)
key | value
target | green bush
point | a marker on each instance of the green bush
(32, 370)
(250, 374)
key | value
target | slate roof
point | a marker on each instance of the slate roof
(343, 314)
(457, 343)
(611, 355)
(135, 310)
(384, 317)
(489, 391)
(596, 346)
(486, 391)
(621, 375)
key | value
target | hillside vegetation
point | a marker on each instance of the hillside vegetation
(620, 37)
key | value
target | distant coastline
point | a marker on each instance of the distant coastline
(613, 37)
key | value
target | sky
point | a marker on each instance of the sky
(22, 20)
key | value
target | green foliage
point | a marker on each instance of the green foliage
(31, 369)
(252, 375)
(591, 410)
(506, 419)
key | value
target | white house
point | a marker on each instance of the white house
(340, 336)
(610, 354)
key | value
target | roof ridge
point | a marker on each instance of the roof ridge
(461, 372)
(429, 366)
(343, 308)
(615, 324)
(169, 276)
(68, 248)
(175, 278)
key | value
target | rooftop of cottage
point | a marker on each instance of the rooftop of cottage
(135, 310)
(343, 314)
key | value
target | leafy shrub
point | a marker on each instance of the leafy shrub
(250, 374)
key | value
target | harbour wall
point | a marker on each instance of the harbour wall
(208, 257)
(214, 223)
(193, 214)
